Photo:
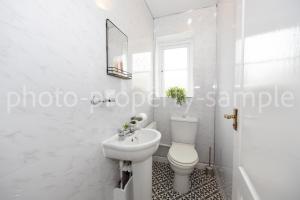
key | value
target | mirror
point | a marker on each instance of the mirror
(116, 51)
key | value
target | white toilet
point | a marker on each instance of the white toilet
(182, 155)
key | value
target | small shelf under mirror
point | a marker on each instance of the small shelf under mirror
(114, 71)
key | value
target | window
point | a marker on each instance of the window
(175, 66)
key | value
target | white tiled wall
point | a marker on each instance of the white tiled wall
(203, 29)
(224, 133)
(55, 152)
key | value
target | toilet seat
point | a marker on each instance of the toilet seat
(183, 155)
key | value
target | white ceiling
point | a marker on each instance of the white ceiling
(160, 8)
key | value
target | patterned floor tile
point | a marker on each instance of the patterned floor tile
(203, 187)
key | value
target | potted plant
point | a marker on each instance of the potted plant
(126, 127)
(178, 94)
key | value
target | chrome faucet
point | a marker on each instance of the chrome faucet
(128, 131)
(132, 129)
(123, 133)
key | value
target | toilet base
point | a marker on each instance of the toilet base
(182, 183)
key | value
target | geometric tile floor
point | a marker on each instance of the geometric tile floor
(202, 187)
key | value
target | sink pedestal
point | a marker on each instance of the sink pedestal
(142, 179)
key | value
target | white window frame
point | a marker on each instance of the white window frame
(170, 43)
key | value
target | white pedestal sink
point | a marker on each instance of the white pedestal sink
(139, 149)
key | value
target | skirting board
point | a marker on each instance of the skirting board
(162, 150)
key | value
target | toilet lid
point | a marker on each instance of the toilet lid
(183, 153)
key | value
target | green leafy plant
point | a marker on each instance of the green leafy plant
(178, 94)
(126, 126)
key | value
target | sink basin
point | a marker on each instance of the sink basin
(137, 147)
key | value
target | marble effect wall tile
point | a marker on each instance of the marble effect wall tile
(55, 152)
